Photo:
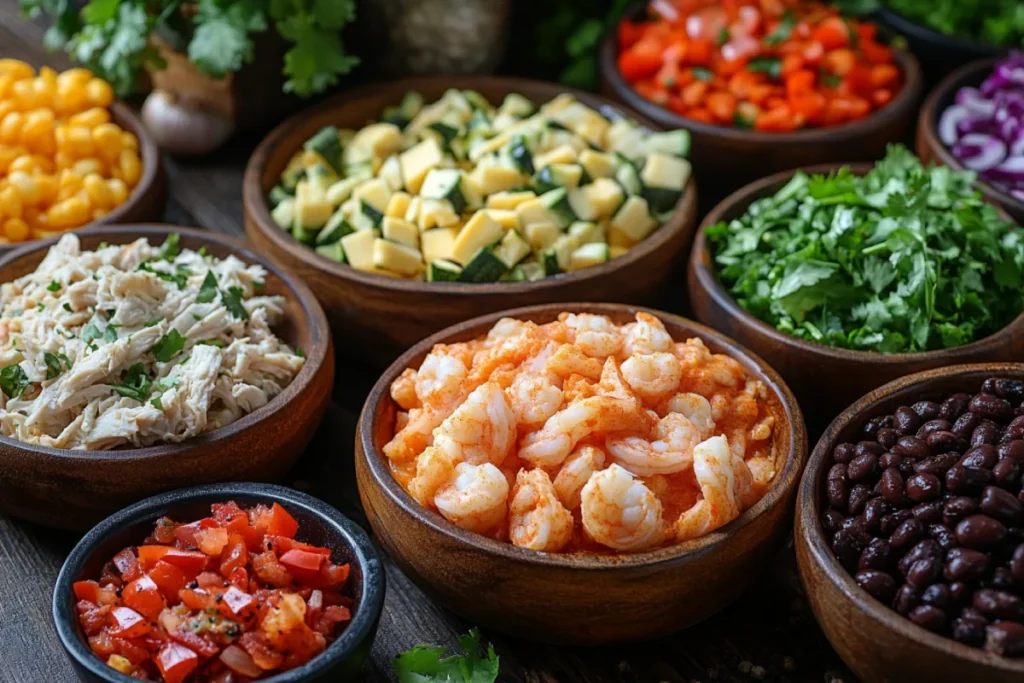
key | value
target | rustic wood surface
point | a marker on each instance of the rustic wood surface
(769, 634)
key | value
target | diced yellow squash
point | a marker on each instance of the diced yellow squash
(403, 232)
(605, 195)
(417, 161)
(480, 231)
(398, 205)
(396, 257)
(412, 214)
(374, 192)
(358, 248)
(619, 239)
(597, 164)
(342, 189)
(542, 235)
(633, 219)
(509, 200)
(615, 252)
(379, 139)
(436, 213)
(492, 179)
(533, 211)
(560, 103)
(438, 243)
(312, 215)
(563, 154)
(507, 217)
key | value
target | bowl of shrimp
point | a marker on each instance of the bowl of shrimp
(580, 473)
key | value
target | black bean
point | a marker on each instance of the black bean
(907, 535)
(959, 591)
(932, 426)
(874, 510)
(906, 421)
(911, 447)
(926, 616)
(926, 410)
(878, 555)
(891, 521)
(1015, 430)
(1005, 507)
(864, 447)
(906, 599)
(988, 432)
(957, 508)
(996, 604)
(982, 456)
(1005, 638)
(953, 407)
(923, 487)
(942, 535)
(1012, 449)
(969, 630)
(1017, 564)
(859, 496)
(831, 520)
(887, 460)
(965, 424)
(855, 524)
(937, 595)
(836, 486)
(847, 545)
(964, 564)
(887, 437)
(989, 385)
(990, 406)
(962, 480)
(1006, 473)
(906, 467)
(937, 464)
(979, 531)
(863, 467)
(878, 584)
(944, 442)
(924, 549)
(876, 423)
(928, 513)
(1010, 389)
(1001, 578)
(843, 452)
(891, 486)
(924, 572)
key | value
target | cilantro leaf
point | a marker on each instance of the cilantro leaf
(168, 346)
(208, 290)
(702, 74)
(783, 31)
(171, 247)
(54, 286)
(232, 299)
(317, 57)
(137, 384)
(221, 42)
(55, 364)
(766, 65)
(157, 403)
(428, 664)
(178, 278)
(13, 381)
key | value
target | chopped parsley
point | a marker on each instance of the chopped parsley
(137, 384)
(168, 346)
(54, 286)
(211, 342)
(13, 381)
(55, 364)
(154, 323)
(179, 279)
(202, 251)
(233, 302)
(783, 31)
(67, 307)
(40, 307)
(429, 664)
(772, 66)
(299, 352)
(91, 333)
(208, 290)
(723, 37)
(171, 247)
(157, 403)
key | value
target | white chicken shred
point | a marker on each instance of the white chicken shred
(137, 344)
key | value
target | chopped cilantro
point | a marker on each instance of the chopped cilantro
(783, 31)
(179, 279)
(40, 306)
(723, 37)
(702, 74)
(202, 251)
(171, 247)
(211, 342)
(208, 290)
(55, 364)
(299, 352)
(168, 346)
(67, 307)
(137, 384)
(233, 302)
(772, 66)
(157, 403)
(54, 286)
(154, 323)
(428, 664)
(13, 381)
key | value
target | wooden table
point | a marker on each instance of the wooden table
(768, 635)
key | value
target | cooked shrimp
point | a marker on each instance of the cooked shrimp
(671, 452)
(534, 398)
(620, 512)
(577, 387)
(646, 335)
(434, 469)
(695, 408)
(746, 488)
(706, 373)
(439, 381)
(512, 351)
(762, 470)
(506, 328)
(475, 498)
(537, 519)
(551, 444)
(574, 474)
(415, 435)
(719, 504)
(403, 390)
(652, 376)
(596, 335)
(570, 360)
(482, 429)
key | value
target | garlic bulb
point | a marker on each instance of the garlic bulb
(184, 128)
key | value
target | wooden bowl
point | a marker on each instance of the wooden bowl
(825, 378)
(579, 599)
(726, 158)
(931, 148)
(319, 524)
(146, 201)
(380, 317)
(878, 644)
(76, 488)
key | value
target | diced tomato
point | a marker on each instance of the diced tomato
(163, 531)
(127, 623)
(168, 578)
(314, 607)
(127, 565)
(799, 83)
(809, 104)
(276, 522)
(875, 53)
(201, 645)
(91, 617)
(86, 590)
(239, 578)
(212, 541)
(642, 60)
(832, 33)
(839, 62)
(255, 644)
(303, 565)
(143, 596)
(629, 33)
(176, 662)
(882, 97)
(190, 562)
(102, 644)
(235, 555)
(331, 617)
(210, 580)
(268, 569)
(134, 651)
(239, 661)
(282, 544)
(225, 513)
(197, 598)
(237, 604)
(186, 533)
(884, 75)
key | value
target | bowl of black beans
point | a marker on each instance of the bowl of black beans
(910, 528)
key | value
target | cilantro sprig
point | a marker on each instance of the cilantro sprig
(430, 664)
(13, 381)
(902, 259)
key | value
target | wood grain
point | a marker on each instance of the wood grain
(380, 316)
(876, 642)
(75, 489)
(576, 598)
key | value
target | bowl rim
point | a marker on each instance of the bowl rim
(702, 268)
(907, 26)
(363, 621)
(853, 130)
(784, 483)
(808, 515)
(313, 314)
(258, 212)
(929, 123)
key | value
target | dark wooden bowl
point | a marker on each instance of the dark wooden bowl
(825, 378)
(380, 317)
(876, 642)
(726, 158)
(580, 599)
(931, 148)
(319, 524)
(146, 202)
(76, 488)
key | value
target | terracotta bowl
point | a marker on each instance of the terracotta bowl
(76, 488)
(380, 317)
(931, 148)
(146, 201)
(319, 524)
(579, 599)
(878, 644)
(725, 158)
(825, 378)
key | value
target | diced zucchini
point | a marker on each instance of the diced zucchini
(319, 178)
(341, 190)
(403, 232)
(398, 205)
(380, 140)
(674, 142)
(417, 161)
(558, 256)
(583, 121)
(493, 179)
(563, 154)
(520, 154)
(445, 183)
(533, 271)
(284, 213)
(597, 164)
(327, 145)
(558, 175)
(333, 251)
(336, 228)
(628, 139)
(447, 131)
(542, 235)
(303, 235)
(508, 219)
(581, 204)
(516, 105)
(627, 176)
(633, 219)
(406, 110)
(398, 258)
(517, 274)
(484, 266)
(291, 177)
(557, 203)
(512, 249)
(587, 232)
(436, 213)
(374, 192)
(312, 210)
(391, 172)
(443, 270)
(412, 214)
(664, 178)
(278, 194)
(589, 255)
(371, 212)
(476, 100)
(603, 197)
(509, 200)
(480, 124)
(533, 211)
(438, 243)
(480, 231)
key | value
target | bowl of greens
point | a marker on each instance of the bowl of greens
(846, 277)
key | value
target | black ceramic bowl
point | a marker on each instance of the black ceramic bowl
(319, 524)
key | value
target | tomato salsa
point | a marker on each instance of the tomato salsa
(770, 65)
(229, 598)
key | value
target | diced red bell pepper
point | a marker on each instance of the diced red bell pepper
(303, 564)
(86, 590)
(201, 645)
(176, 662)
(127, 623)
(169, 579)
(190, 562)
(282, 544)
(237, 604)
(186, 533)
(143, 595)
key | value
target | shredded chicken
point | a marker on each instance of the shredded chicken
(136, 344)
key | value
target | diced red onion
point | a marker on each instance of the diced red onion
(949, 122)
(980, 152)
(975, 103)
(239, 661)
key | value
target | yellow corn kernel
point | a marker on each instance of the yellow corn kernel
(16, 68)
(10, 203)
(6, 107)
(47, 74)
(84, 167)
(90, 118)
(75, 75)
(131, 167)
(106, 137)
(99, 194)
(69, 181)
(99, 93)
(25, 162)
(16, 230)
(43, 92)
(62, 161)
(37, 131)
(25, 186)
(130, 141)
(31, 216)
(118, 191)
(77, 142)
(24, 95)
(6, 81)
(10, 127)
(70, 97)
(99, 213)
(8, 153)
(71, 212)
(46, 186)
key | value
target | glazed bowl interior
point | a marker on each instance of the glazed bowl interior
(886, 625)
(319, 524)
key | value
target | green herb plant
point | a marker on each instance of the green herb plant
(430, 664)
(112, 37)
(902, 259)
